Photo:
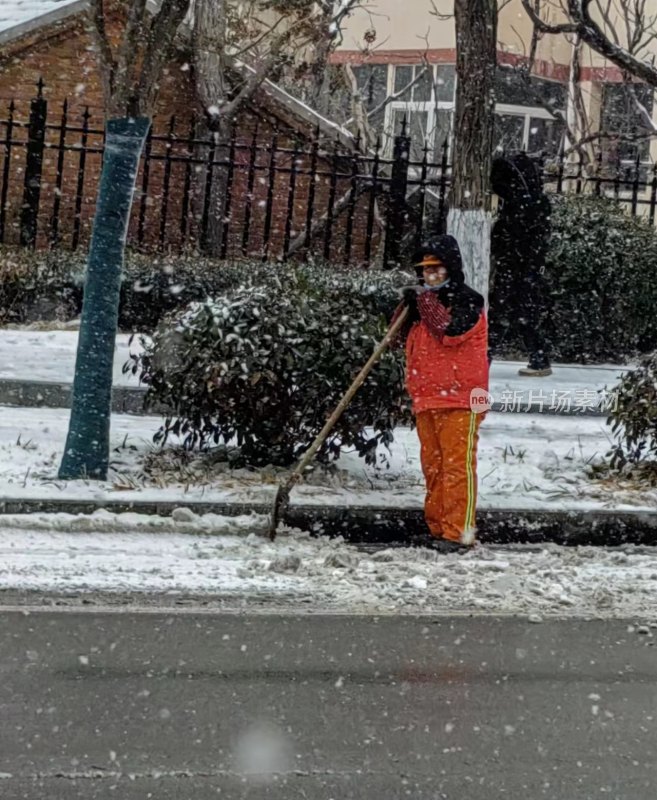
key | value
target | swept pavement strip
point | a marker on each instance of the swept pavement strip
(190, 707)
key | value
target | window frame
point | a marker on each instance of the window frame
(528, 112)
(431, 107)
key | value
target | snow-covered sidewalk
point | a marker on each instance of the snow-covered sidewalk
(122, 554)
(50, 356)
(525, 462)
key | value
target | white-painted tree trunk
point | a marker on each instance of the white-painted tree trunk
(472, 229)
(470, 219)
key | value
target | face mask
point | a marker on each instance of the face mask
(438, 286)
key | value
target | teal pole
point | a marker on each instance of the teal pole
(87, 445)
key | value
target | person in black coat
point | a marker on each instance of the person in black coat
(521, 234)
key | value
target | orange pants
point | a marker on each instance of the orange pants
(448, 440)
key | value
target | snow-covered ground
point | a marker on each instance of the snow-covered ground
(525, 461)
(126, 553)
(50, 356)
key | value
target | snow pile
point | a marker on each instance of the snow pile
(298, 572)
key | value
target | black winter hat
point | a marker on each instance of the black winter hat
(516, 178)
(447, 249)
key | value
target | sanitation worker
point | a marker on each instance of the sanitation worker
(446, 339)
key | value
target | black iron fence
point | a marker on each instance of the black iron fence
(281, 196)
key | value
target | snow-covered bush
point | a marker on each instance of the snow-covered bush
(153, 286)
(634, 418)
(602, 270)
(41, 285)
(263, 366)
(48, 285)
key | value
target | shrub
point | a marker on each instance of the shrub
(154, 286)
(634, 419)
(602, 270)
(48, 285)
(42, 285)
(264, 365)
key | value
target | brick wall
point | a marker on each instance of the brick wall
(63, 58)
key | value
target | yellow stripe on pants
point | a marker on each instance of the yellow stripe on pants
(470, 508)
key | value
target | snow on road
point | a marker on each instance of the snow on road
(230, 559)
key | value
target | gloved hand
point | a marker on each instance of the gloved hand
(409, 296)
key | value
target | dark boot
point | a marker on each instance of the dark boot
(445, 546)
(531, 371)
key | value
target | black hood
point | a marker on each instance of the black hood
(517, 179)
(446, 248)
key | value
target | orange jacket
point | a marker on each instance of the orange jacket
(442, 373)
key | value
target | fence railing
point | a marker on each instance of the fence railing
(263, 192)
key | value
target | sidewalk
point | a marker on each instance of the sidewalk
(533, 477)
(36, 370)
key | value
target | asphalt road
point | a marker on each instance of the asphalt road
(193, 706)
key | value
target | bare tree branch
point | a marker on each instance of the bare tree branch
(344, 11)
(643, 111)
(544, 27)
(256, 75)
(605, 13)
(583, 24)
(631, 138)
(391, 98)
(265, 34)
(366, 136)
(439, 14)
(594, 36)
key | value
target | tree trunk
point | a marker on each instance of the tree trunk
(470, 218)
(87, 446)
(210, 190)
(319, 95)
(212, 89)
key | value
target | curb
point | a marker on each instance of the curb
(381, 526)
(47, 394)
(130, 400)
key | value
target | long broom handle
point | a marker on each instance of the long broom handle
(348, 396)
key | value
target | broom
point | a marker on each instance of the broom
(282, 499)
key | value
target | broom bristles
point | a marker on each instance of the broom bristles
(281, 503)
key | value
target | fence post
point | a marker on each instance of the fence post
(5, 170)
(33, 167)
(397, 212)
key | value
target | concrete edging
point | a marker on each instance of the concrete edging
(130, 400)
(370, 525)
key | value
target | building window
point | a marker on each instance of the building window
(533, 130)
(524, 113)
(523, 121)
(424, 96)
(372, 82)
(621, 114)
(513, 89)
(427, 106)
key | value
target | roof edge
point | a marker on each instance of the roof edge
(42, 21)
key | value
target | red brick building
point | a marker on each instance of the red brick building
(280, 181)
